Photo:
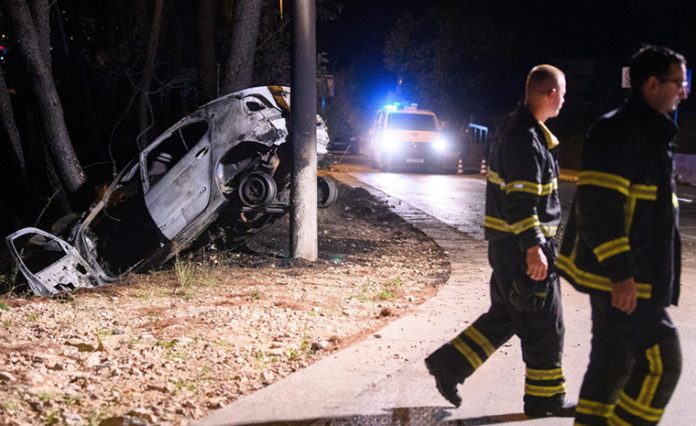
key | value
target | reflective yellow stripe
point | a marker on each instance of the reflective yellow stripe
(553, 374)
(531, 187)
(500, 225)
(497, 224)
(468, 353)
(675, 201)
(495, 179)
(643, 192)
(524, 224)
(594, 408)
(480, 340)
(604, 180)
(647, 391)
(611, 248)
(548, 230)
(633, 407)
(630, 212)
(522, 185)
(596, 282)
(543, 391)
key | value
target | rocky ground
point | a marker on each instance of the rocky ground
(169, 346)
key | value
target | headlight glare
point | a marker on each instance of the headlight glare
(440, 144)
(389, 142)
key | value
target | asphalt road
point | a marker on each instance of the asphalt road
(458, 200)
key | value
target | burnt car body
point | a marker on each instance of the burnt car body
(226, 164)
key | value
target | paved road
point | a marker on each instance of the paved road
(458, 200)
(382, 380)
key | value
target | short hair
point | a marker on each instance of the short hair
(542, 79)
(651, 60)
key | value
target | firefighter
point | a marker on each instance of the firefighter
(622, 247)
(522, 215)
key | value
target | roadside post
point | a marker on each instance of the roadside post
(303, 191)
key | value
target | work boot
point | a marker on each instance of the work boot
(556, 408)
(441, 364)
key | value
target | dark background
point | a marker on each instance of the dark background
(464, 59)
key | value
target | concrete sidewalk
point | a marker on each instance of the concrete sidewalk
(382, 380)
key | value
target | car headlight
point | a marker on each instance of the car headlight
(440, 144)
(388, 142)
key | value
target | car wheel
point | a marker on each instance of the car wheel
(257, 189)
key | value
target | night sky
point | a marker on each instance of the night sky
(583, 30)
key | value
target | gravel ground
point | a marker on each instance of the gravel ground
(169, 346)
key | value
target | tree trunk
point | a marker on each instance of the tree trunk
(141, 17)
(8, 127)
(144, 109)
(50, 109)
(245, 32)
(207, 80)
(40, 12)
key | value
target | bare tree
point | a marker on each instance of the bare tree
(144, 107)
(245, 32)
(49, 105)
(206, 50)
(40, 12)
(8, 127)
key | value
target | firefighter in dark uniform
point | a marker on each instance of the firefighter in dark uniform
(522, 215)
(622, 247)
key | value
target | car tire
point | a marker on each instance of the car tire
(327, 192)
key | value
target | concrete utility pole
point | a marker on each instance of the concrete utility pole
(303, 207)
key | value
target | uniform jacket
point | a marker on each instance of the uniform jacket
(625, 213)
(522, 189)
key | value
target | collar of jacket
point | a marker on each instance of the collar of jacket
(529, 120)
(636, 104)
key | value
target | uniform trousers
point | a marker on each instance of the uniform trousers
(634, 367)
(540, 332)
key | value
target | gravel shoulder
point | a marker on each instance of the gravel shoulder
(169, 346)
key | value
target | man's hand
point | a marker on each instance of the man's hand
(624, 295)
(537, 264)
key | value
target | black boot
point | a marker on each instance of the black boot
(443, 365)
(555, 408)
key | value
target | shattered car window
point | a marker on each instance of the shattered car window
(162, 157)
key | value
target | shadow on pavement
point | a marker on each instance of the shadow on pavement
(406, 416)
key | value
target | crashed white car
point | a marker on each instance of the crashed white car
(228, 163)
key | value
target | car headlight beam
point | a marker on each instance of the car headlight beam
(440, 144)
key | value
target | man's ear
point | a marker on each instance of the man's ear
(651, 85)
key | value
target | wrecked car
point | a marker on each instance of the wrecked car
(228, 163)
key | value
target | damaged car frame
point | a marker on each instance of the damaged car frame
(228, 163)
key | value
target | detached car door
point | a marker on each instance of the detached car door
(177, 176)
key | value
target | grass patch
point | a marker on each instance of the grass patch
(389, 289)
(8, 280)
(185, 272)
